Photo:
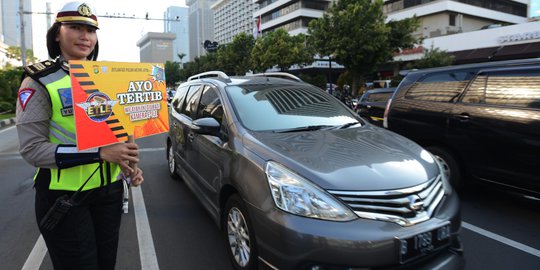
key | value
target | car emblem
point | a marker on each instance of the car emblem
(415, 203)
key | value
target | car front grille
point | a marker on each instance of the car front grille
(405, 207)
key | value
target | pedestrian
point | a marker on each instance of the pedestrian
(81, 231)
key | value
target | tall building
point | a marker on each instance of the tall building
(10, 24)
(232, 17)
(291, 15)
(156, 47)
(176, 21)
(201, 26)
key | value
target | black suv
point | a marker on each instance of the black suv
(481, 120)
(297, 180)
(373, 103)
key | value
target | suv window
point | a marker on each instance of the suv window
(210, 105)
(508, 88)
(191, 100)
(439, 87)
(179, 98)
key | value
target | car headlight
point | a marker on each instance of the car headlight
(294, 194)
(444, 177)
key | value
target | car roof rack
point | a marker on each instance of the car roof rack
(210, 74)
(277, 75)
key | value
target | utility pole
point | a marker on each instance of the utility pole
(23, 41)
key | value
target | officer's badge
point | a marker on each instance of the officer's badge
(66, 100)
(84, 10)
(24, 96)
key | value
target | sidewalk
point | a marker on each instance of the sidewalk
(7, 122)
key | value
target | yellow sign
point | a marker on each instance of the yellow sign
(114, 100)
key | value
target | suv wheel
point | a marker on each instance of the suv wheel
(173, 172)
(238, 235)
(450, 166)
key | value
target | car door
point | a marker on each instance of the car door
(209, 155)
(497, 122)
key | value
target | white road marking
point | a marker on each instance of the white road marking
(35, 258)
(502, 239)
(6, 129)
(152, 149)
(147, 251)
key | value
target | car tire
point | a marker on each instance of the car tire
(450, 166)
(171, 162)
(238, 234)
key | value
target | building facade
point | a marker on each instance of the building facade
(156, 47)
(10, 24)
(232, 17)
(201, 22)
(176, 21)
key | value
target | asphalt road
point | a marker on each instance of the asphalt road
(500, 230)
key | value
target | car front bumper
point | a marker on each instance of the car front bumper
(286, 241)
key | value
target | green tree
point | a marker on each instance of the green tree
(10, 81)
(172, 73)
(14, 52)
(280, 49)
(235, 58)
(433, 57)
(355, 34)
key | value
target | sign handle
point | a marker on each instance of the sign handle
(132, 165)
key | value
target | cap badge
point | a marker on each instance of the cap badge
(84, 10)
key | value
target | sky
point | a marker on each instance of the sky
(117, 37)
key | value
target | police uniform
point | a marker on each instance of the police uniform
(87, 237)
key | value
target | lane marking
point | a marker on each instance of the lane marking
(147, 251)
(6, 129)
(35, 258)
(152, 149)
(502, 239)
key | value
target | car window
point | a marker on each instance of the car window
(210, 105)
(520, 88)
(271, 108)
(439, 87)
(378, 97)
(179, 98)
(191, 100)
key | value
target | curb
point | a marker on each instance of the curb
(7, 122)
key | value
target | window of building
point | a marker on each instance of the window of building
(452, 19)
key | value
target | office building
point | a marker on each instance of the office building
(232, 17)
(201, 26)
(176, 21)
(156, 47)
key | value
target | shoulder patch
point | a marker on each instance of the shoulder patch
(24, 96)
(38, 67)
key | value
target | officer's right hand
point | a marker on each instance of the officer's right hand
(122, 154)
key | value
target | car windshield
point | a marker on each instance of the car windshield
(288, 108)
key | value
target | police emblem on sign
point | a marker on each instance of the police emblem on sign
(98, 106)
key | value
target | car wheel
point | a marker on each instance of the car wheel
(173, 172)
(239, 235)
(450, 166)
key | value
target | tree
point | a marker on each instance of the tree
(172, 73)
(279, 49)
(14, 52)
(354, 33)
(235, 58)
(433, 57)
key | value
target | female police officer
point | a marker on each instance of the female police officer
(87, 236)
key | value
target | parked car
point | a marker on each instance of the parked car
(373, 103)
(480, 120)
(296, 180)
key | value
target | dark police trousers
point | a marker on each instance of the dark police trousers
(87, 237)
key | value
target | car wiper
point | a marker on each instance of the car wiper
(306, 128)
(347, 125)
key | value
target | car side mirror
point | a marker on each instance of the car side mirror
(206, 126)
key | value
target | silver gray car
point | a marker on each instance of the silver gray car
(296, 180)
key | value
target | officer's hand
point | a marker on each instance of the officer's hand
(122, 154)
(137, 178)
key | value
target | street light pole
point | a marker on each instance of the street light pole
(23, 46)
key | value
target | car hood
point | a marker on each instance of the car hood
(365, 158)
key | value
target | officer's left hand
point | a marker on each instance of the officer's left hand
(137, 178)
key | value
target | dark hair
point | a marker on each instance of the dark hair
(53, 47)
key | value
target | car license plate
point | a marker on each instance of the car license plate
(423, 243)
